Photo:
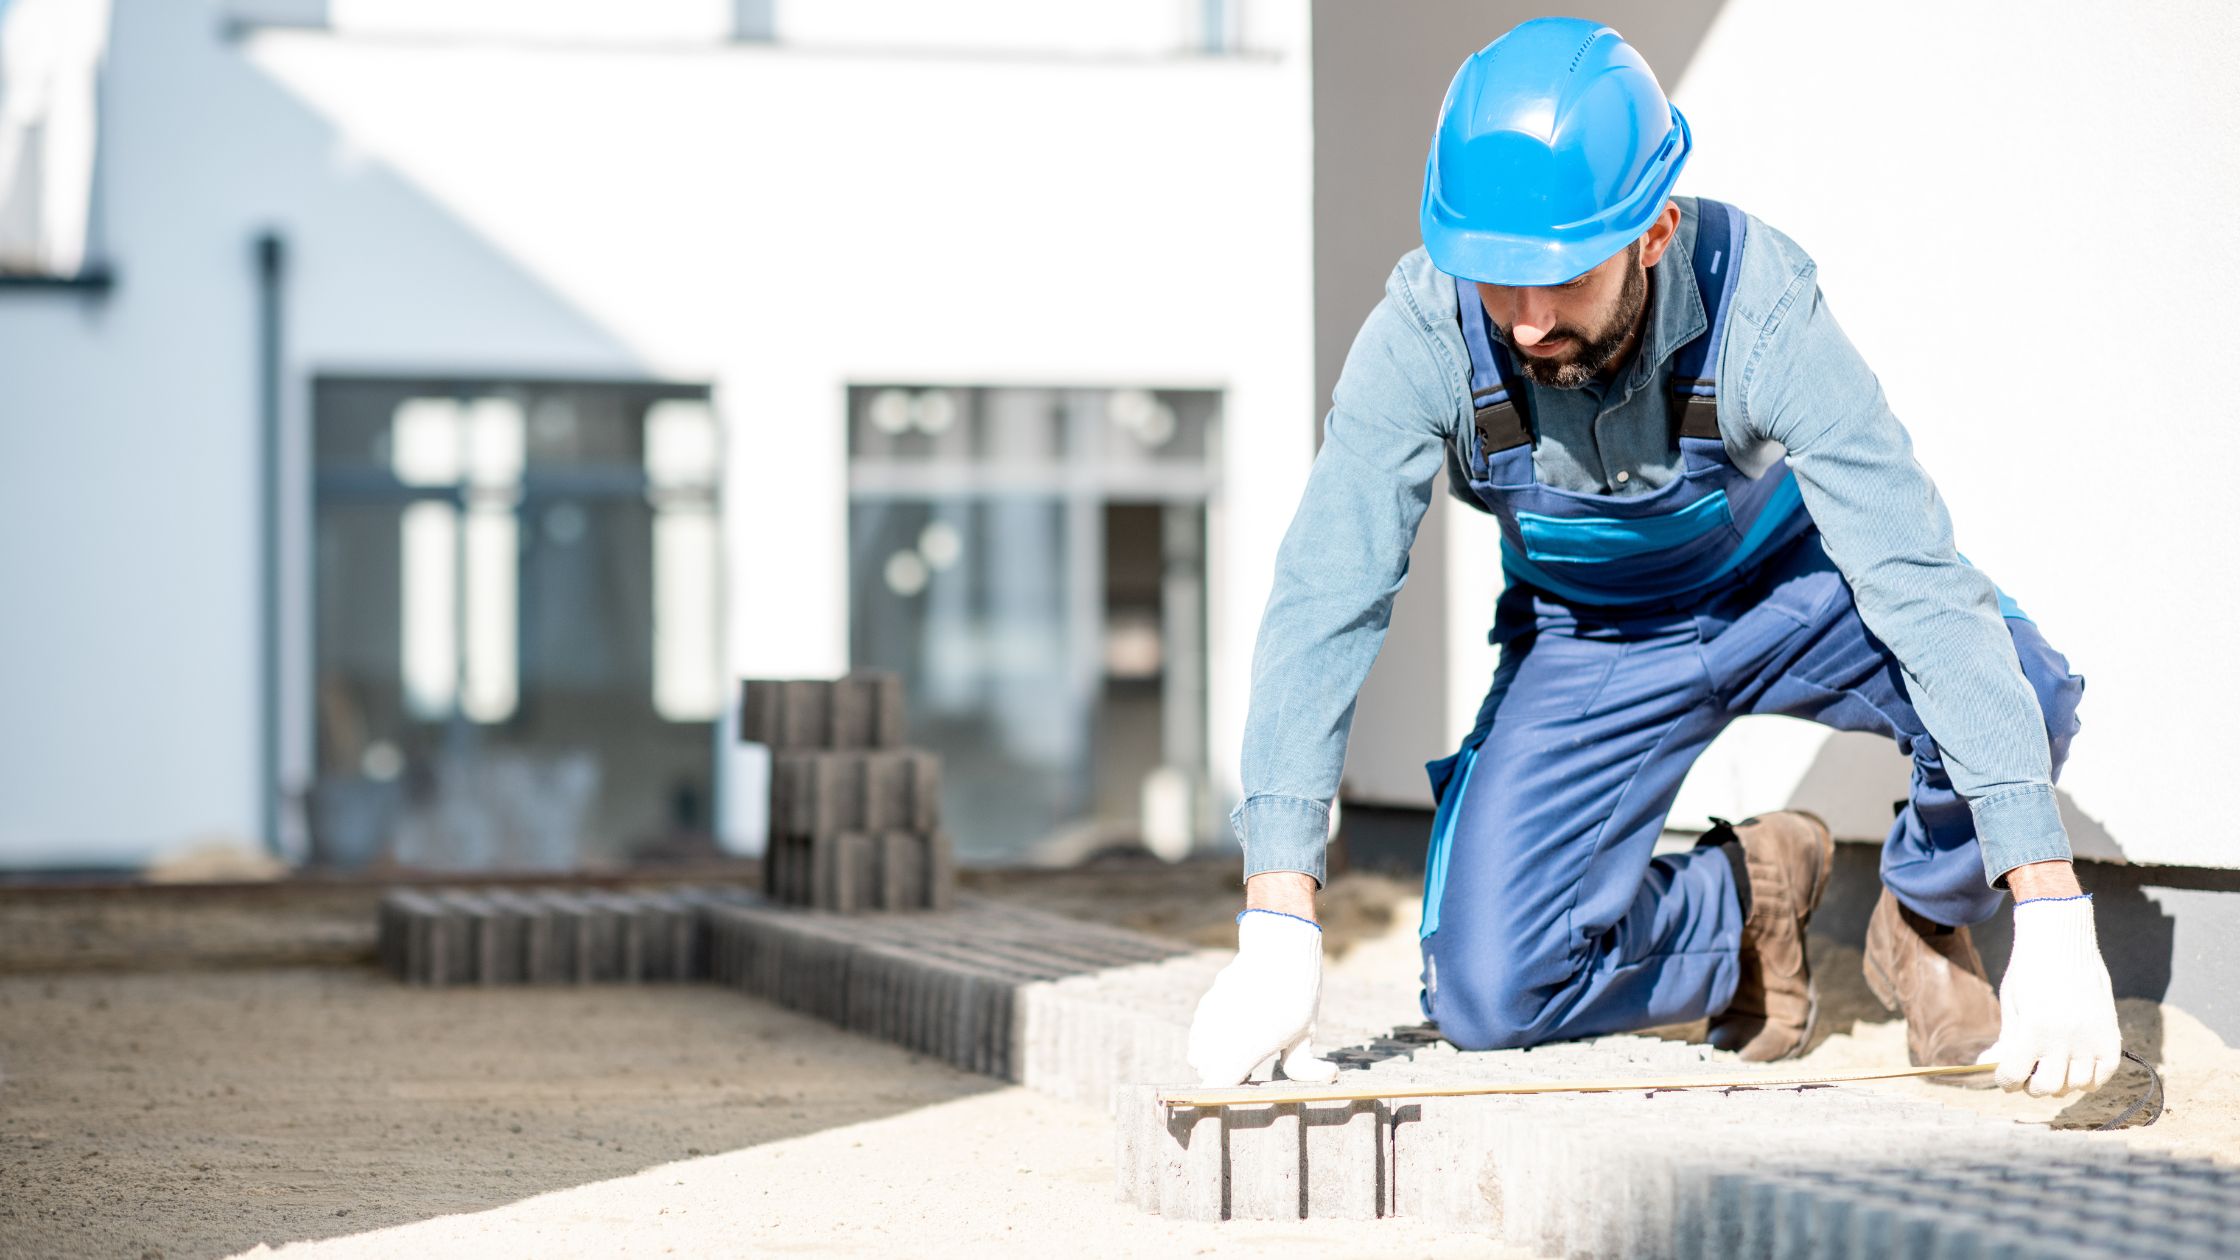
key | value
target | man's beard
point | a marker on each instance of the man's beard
(1596, 353)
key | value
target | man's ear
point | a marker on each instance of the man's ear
(1659, 235)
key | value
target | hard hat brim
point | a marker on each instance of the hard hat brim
(1519, 261)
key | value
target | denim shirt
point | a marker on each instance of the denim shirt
(1789, 382)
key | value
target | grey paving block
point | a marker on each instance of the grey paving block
(846, 872)
(805, 716)
(569, 959)
(825, 874)
(797, 875)
(902, 789)
(437, 945)
(773, 841)
(533, 918)
(925, 790)
(1136, 1133)
(901, 875)
(860, 881)
(605, 914)
(627, 918)
(816, 792)
(1189, 1165)
(1346, 1169)
(1266, 1150)
(867, 710)
(669, 925)
(397, 920)
(941, 870)
(484, 949)
(760, 702)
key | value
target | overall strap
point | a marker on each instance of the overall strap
(1498, 409)
(1695, 367)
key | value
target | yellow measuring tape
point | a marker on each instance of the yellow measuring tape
(1276, 1094)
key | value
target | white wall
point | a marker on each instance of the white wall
(775, 221)
(2023, 217)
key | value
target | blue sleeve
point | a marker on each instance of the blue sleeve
(1342, 561)
(1801, 384)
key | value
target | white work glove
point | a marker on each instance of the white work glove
(2057, 1012)
(1263, 1003)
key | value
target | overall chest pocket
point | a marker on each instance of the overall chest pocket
(1581, 535)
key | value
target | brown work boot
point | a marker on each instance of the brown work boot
(1787, 857)
(1933, 974)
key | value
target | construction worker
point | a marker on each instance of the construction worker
(1706, 510)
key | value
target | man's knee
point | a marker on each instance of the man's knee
(1487, 1004)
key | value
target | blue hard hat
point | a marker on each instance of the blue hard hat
(1555, 149)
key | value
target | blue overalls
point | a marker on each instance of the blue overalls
(1632, 630)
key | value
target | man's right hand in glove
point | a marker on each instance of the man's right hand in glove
(2058, 1012)
(1264, 1002)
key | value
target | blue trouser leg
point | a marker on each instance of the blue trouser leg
(1546, 916)
(1838, 674)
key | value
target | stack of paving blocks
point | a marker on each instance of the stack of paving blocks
(854, 814)
(548, 935)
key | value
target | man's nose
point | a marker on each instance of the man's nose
(1535, 317)
(1532, 315)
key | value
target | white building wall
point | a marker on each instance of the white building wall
(2023, 217)
(779, 222)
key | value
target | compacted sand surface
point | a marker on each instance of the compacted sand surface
(201, 1113)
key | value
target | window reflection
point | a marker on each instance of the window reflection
(1031, 560)
(516, 627)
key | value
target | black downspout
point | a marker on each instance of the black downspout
(271, 262)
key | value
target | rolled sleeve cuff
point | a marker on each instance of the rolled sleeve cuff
(1282, 833)
(2018, 827)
